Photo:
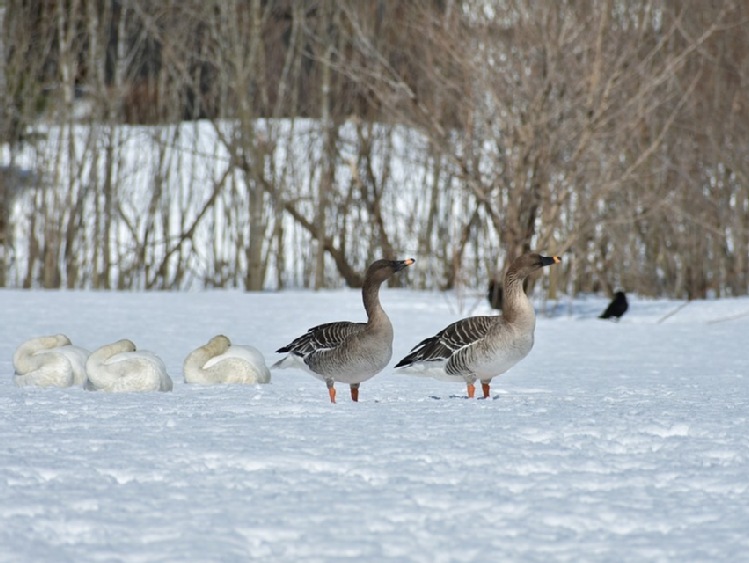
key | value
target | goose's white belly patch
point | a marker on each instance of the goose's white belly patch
(489, 365)
(347, 368)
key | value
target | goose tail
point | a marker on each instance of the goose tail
(291, 360)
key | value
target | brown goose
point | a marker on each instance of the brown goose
(483, 347)
(345, 351)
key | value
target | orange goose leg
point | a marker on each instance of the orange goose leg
(355, 392)
(485, 389)
(331, 392)
(471, 390)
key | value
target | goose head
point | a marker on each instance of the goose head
(382, 270)
(526, 264)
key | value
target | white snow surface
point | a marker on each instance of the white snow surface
(611, 441)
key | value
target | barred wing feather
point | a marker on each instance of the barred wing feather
(322, 337)
(449, 340)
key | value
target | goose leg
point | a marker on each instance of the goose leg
(355, 392)
(331, 390)
(471, 390)
(485, 389)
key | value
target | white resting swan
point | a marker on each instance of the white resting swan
(118, 367)
(220, 361)
(50, 361)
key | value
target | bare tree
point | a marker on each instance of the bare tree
(247, 143)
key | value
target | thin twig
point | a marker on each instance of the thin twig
(672, 313)
(728, 318)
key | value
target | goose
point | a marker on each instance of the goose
(118, 367)
(349, 352)
(617, 307)
(480, 348)
(220, 361)
(50, 361)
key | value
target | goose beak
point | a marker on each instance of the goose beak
(550, 260)
(401, 264)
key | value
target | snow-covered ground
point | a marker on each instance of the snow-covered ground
(610, 442)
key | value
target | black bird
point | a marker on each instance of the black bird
(617, 307)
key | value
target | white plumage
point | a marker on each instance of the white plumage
(50, 361)
(220, 361)
(119, 367)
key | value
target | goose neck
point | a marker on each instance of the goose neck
(371, 299)
(516, 307)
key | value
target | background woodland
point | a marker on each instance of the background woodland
(268, 144)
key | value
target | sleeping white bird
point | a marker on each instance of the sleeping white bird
(220, 361)
(119, 367)
(50, 361)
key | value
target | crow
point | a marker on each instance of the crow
(617, 307)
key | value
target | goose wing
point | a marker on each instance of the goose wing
(449, 340)
(323, 337)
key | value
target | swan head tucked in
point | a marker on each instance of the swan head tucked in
(119, 367)
(58, 339)
(122, 345)
(38, 344)
(50, 361)
(218, 345)
(219, 361)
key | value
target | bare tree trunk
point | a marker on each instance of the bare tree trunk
(329, 153)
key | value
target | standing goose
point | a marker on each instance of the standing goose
(220, 361)
(345, 351)
(483, 347)
(118, 367)
(50, 361)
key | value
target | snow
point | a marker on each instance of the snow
(609, 442)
